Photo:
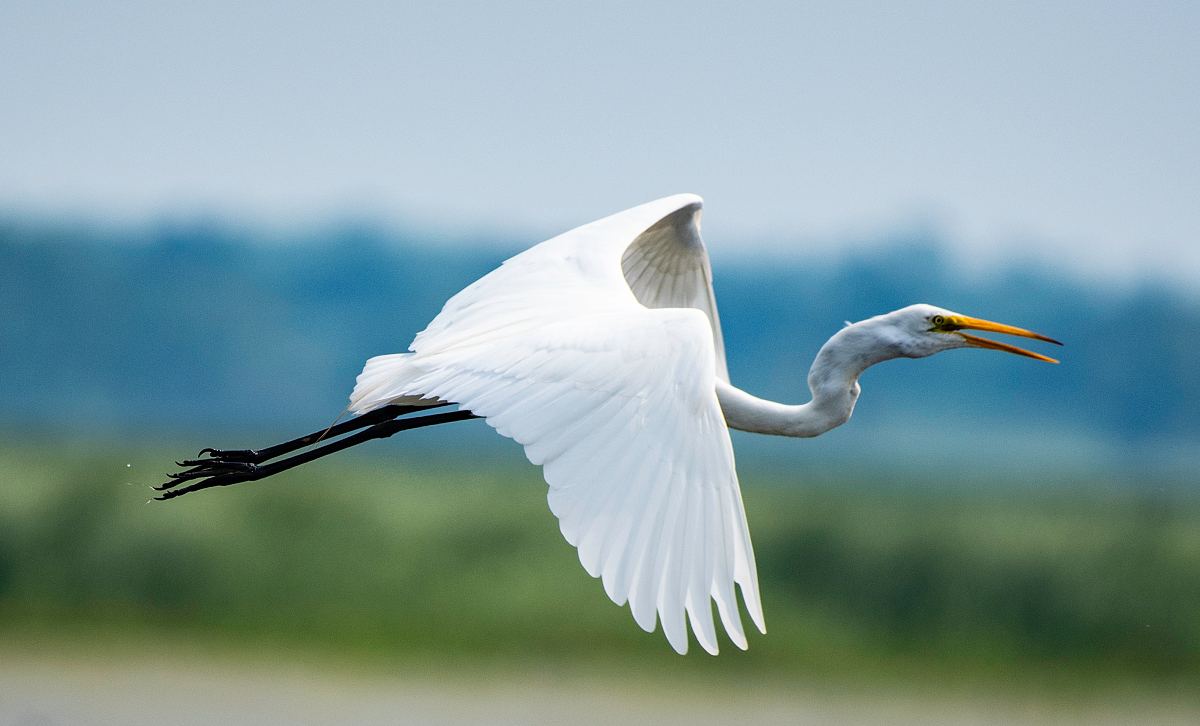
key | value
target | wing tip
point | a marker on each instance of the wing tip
(753, 605)
(683, 199)
(679, 645)
(668, 206)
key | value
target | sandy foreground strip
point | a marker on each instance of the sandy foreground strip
(131, 689)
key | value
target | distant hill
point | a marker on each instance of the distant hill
(214, 329)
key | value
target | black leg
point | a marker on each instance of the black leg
(218, 472)
(258, 456)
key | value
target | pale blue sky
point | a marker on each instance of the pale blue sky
(1064, 129)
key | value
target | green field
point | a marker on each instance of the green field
(1080, 584)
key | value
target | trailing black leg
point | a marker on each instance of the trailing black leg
(258, 456)
(218, 472)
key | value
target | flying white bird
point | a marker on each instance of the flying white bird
(600, 352)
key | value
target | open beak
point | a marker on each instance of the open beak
(956, 323)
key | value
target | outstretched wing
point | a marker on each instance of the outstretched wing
(616, 401)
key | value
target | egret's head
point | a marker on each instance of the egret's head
(923, 330)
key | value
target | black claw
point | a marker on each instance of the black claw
(211, 469)
(223, 455)
(200, 462)
(186, 475)
(197, 480)
(212, 480)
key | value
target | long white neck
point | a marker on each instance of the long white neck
(833, 380)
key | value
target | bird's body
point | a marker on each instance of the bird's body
(600, 352)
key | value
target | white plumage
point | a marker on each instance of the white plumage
(599, 351)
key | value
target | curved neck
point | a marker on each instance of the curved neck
(833, 380)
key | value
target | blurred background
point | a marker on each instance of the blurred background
(212, 214)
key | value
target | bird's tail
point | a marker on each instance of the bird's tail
(384, 380)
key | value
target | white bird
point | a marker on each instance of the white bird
(600, 352)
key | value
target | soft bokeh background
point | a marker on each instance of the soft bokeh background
(211, 214)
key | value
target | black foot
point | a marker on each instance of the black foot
(222, 467)
(218, 469)
(205, 481)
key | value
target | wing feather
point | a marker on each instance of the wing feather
(599, 352)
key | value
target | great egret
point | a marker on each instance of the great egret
(600, 352)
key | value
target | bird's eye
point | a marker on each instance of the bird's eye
(938, 320)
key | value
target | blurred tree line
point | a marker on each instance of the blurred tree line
(199, 326)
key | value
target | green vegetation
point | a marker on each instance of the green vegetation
(1094, 582)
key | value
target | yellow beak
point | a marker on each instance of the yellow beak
(955, 323)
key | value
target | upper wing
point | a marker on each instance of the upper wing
(574, 349)
(667, 266)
